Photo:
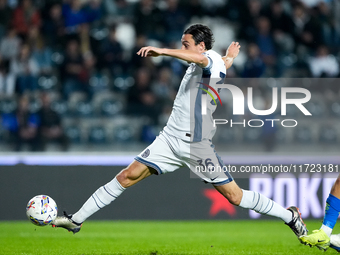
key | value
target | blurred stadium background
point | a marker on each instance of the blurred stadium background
(73, 92)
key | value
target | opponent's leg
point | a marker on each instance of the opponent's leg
(332, 208)
(321, 238)
(335, 242)
(261, 204)
(103, 196)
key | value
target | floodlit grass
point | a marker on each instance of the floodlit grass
(155, 237)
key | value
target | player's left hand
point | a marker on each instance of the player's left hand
(149, 51)
(233, 50)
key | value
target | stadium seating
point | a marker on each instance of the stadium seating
(47, 82)
(8, 105)
(60, 106)
(335, 108)
(57, 58)
(99, 113)
(2, 135)
(282, 136)
(328, 135)
(99, 82)
(97, 135)
(84, 108)
(303, 135)
(74, 134)
(111, 107)
(225, 134)
(123, 134)
(252, 135)
(34, 105)
(122, 84)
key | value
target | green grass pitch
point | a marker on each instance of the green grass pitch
(155, 237)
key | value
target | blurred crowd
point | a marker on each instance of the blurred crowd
(52, 49)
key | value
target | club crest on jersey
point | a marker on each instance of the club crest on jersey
(146, 153)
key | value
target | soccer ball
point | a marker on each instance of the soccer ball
(41, 210)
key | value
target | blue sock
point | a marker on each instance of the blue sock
(332, 211)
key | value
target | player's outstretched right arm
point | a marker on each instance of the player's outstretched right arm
(186, 55)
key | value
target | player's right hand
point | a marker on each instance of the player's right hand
(149, 51)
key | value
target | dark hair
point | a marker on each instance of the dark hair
(201, 33)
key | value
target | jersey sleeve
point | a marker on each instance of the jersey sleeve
(210, 62)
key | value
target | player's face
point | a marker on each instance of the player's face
(188, 43)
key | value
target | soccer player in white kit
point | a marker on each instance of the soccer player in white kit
(186, 138)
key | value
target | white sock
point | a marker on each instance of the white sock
(261, 204)
(327, 230)
(102, 197)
